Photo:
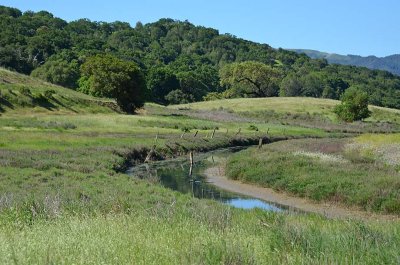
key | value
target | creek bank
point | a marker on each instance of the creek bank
(173, 149)
(216, 176)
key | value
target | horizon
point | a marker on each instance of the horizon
(370, 32)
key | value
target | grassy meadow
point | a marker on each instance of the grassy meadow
(293, 105)
(299, 111)
(64, 198)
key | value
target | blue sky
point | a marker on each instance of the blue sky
(363, 27)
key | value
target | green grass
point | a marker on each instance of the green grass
(294, 105)
(198, 232)
(323, 170)
(63, 201)
(22, 94)
(379, 139)
(279, 104)
(299, 111)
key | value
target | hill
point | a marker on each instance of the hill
(21, 93)
(283, 105)
(294, 111)
(389, 63)
(181, 62)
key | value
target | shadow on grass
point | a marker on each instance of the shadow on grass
(6, 103)
(44, 103)
(63, 105)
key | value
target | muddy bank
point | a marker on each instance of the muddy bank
(173, 149)
(216, 176)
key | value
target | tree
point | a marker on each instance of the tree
(108, 76)
(195, 55)
(178, 97)
(59, 72)
(290, 86)
(199, 81)
(251, 78)
(334, 88)
(313, 85)
(160, 82)
(354, 105)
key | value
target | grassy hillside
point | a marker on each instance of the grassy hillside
(293, 105)
(298, 111)
(20, 93)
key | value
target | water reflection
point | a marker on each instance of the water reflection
(184, 175)
(252, 203)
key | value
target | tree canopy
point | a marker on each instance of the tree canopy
(108, 76)
(177, 55)
(252, 79)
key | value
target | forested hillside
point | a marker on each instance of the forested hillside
(180, 62)
(389, 63)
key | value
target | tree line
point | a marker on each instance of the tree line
(171, 62)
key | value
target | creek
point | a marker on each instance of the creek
(178, 175)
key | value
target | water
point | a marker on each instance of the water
(174, 174)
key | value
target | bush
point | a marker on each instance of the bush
(178, 97)
(354, 106)
(58, 72)
(213, 96)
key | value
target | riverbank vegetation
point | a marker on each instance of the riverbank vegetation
(342, 171)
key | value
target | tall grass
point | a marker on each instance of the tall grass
(198, 232)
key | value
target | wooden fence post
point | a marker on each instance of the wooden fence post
(151, 152)
(156, 139)
(191, 163)
(238, 132)
(213, 133)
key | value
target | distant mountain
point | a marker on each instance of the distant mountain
(389, 63)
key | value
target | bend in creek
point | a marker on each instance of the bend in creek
(174, 174)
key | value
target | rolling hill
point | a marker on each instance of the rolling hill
(22, 93)
(181, 62)
(389, 63)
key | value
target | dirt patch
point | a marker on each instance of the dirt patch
(216, 176)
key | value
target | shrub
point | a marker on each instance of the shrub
(213, 96)
(354, 106)
(178, 97)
